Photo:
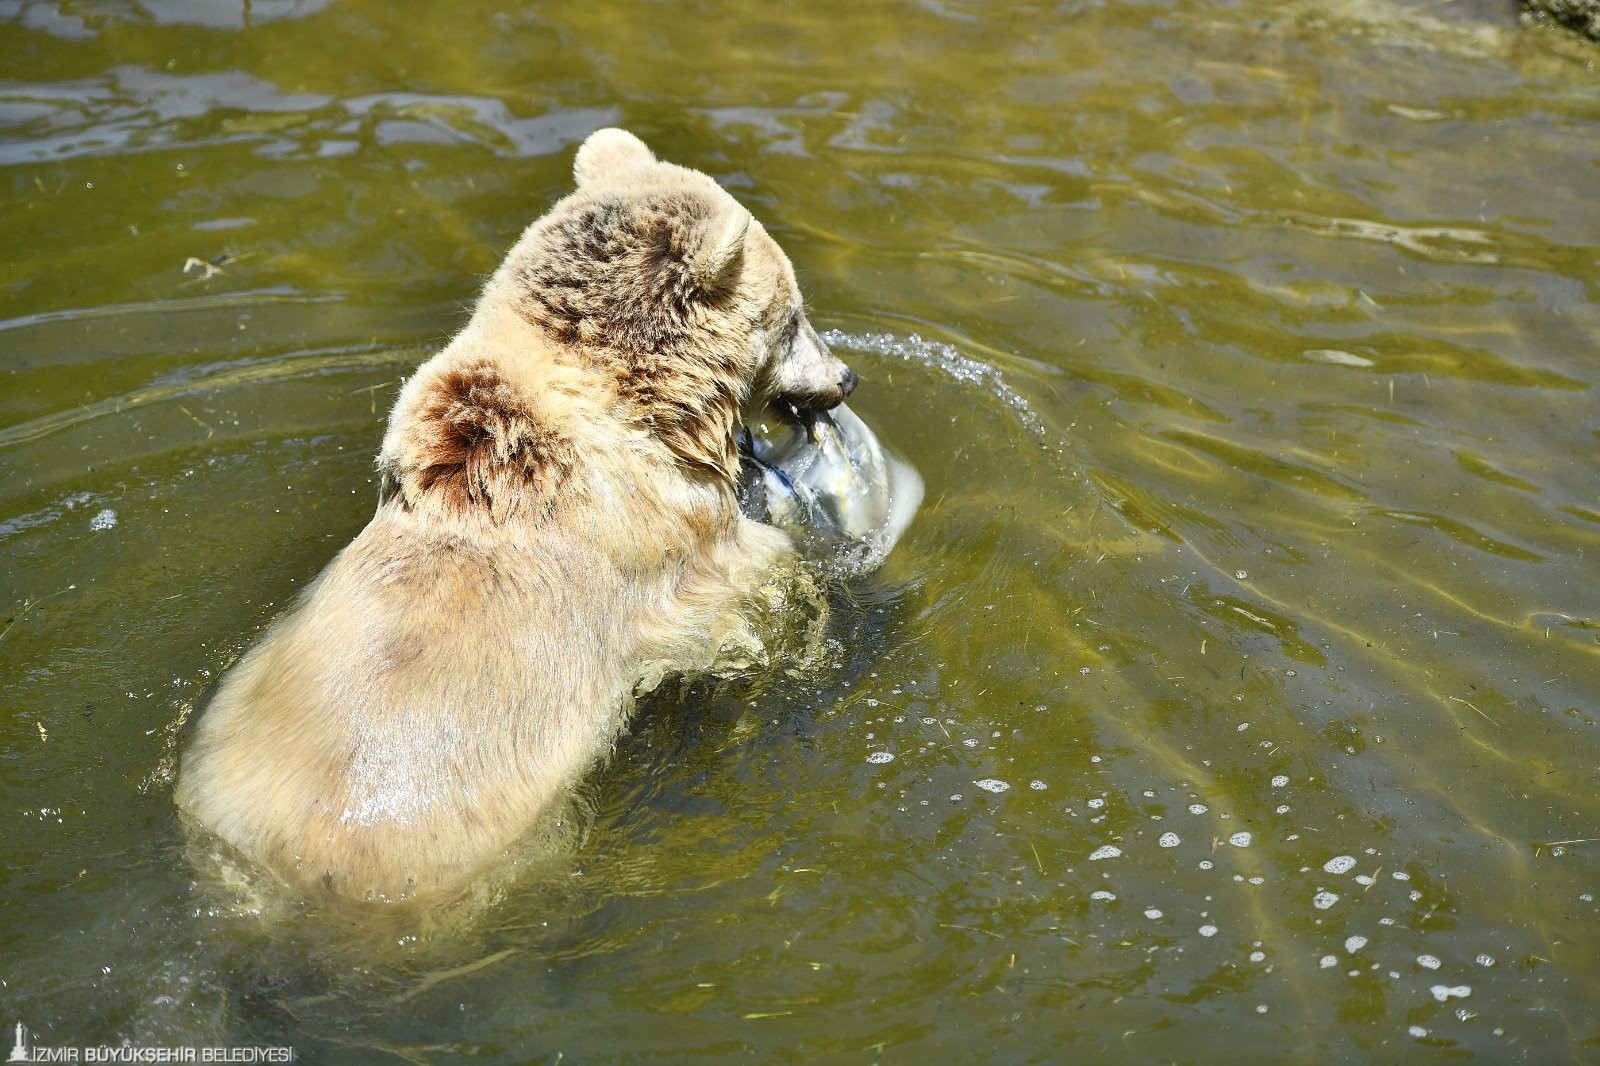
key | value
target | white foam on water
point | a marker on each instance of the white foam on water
(1207, 930)
(1485, 960)
(1105, 851)
(1328, 962)
(990, 784)
(1240, 840)
(1152, 913)
(947, 360)
(1169, 840)
(1355, 943)
(1323, 900)
(1197, 808)
(1103, 894)
(1445, 993)
(880, 757)
(1417, 1031)
(1038, 786)
(1340, 864)
(1429, 962)
(106, 519)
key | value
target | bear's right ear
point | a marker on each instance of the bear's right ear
(608, 151)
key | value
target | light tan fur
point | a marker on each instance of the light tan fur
(557, 526)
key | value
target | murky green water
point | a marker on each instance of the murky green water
(1248, 351)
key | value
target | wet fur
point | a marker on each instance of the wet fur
(557, 528)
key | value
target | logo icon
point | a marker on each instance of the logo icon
(19, 1050)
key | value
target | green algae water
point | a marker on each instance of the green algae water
(1232, 697)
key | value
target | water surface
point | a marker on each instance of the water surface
(1232, 696)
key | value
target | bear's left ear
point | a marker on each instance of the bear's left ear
(608, 151)
(718, 253)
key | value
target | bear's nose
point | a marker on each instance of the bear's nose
(848, 383)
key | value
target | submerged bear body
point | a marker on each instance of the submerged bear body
(557, 525)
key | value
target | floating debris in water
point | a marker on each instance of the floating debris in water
(990, 784)
(1340, 864)
(1105, 851)
(1169, 840)
(880, 757)
(106, 519)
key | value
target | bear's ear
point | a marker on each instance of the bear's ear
(718, 251)
(608, 151)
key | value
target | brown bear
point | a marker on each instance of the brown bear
(557, 529)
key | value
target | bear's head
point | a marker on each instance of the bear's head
(655, 277)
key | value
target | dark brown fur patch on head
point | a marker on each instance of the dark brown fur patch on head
(613, 280)
(479, 446)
